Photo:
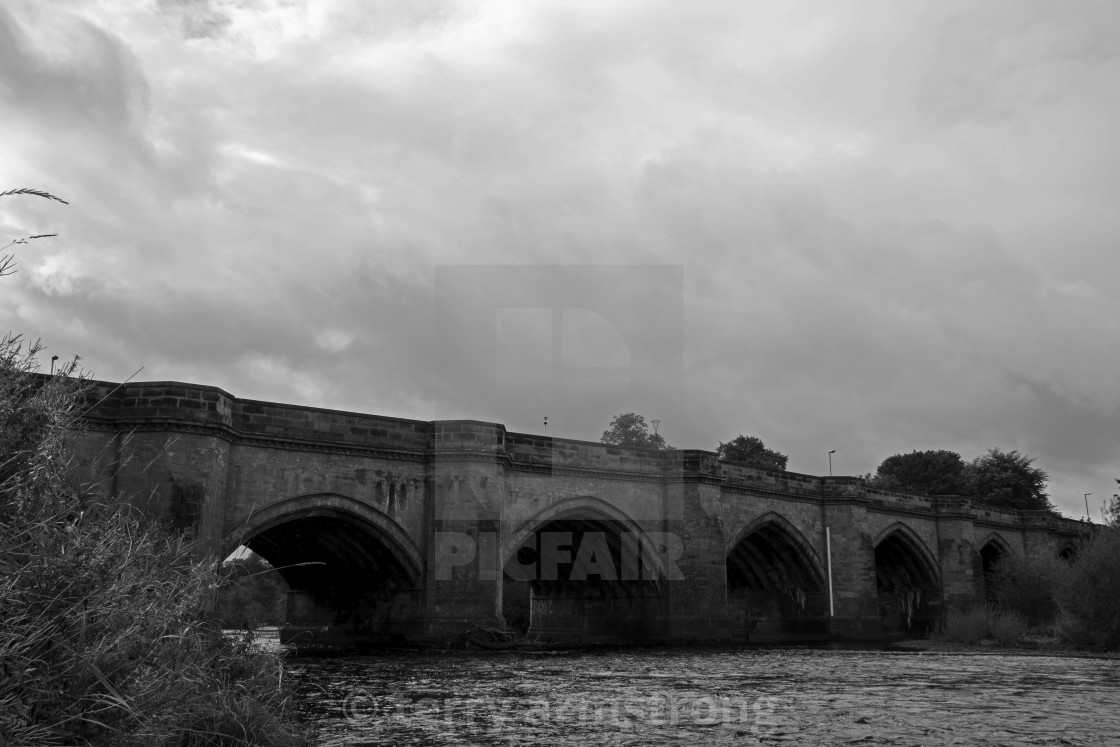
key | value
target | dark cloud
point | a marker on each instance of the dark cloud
(894, 223)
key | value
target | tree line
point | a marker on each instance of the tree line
(1006, 479)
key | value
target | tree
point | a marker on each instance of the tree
(932, 472)
(630, 429)
(1007, 479)
(750, 450)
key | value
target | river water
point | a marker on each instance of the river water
(797, 696)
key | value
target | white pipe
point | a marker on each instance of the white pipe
(828, 557)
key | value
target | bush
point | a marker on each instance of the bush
(1080, 598)
(1088, 595)
(1024, 586)
(104, 639)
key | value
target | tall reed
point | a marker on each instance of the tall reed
(104, 638)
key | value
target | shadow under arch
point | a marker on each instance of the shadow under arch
(583, 570)
(775, 583)
(791, 531)
(991, 550)
(332, 505)
(908, 582)
(996, 540)
(353, 573)
(588, 508)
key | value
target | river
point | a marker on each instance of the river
(800, 696)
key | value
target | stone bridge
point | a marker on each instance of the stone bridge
(389, 530)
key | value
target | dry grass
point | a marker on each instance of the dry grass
(8, 261)
(963, 627)
(1008, 628)
(982, 623)
(36, 192)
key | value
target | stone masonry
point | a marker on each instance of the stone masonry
(392, 530)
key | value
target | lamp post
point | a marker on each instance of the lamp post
(656, 443)
(830, 462)
(53, 359)
(1087, 517)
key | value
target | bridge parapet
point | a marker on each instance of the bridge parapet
(894, 500)
(161, 401)
(759, 478)
(270, 419)
(528, 449)
(170, 403)
(468, 435)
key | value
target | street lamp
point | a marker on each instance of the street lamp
(656, 443)
(53, 359)
(1087, 517)
(830, 462)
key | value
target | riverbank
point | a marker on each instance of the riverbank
(1031, 647)
(268, 638)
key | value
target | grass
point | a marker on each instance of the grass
(106, 637)
(989, 622)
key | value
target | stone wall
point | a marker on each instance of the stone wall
(229, 469)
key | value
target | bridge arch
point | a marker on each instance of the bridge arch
(907, 538)
(997, 542)
(587, 508)
(340, 508)
(908, 581)
(992, 549)
(349, 567)
(777, 525)
(775, 582)
(584, 570)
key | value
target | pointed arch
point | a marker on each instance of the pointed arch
(586, 508)
(783, 529)
(996, 540)
(359, 520)
(907, 538)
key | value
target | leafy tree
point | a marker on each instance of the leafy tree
(750, 450)
(630, 429)
(1007, 479)
(930, 472)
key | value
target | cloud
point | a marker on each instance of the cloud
(199, 19)
(895, 222)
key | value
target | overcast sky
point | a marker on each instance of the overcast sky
(865, 226)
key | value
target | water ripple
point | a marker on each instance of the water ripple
(689, 696)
